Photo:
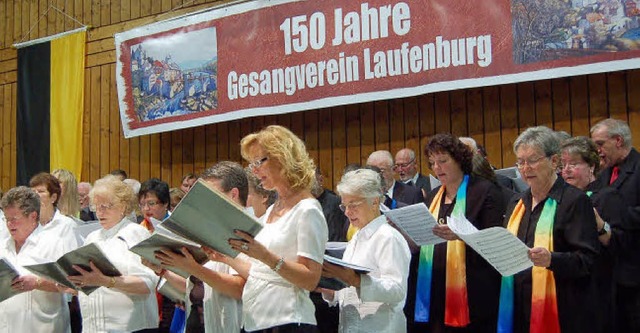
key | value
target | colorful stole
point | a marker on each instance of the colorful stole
(544, 302)
(456, 311)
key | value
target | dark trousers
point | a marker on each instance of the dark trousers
(627, 315)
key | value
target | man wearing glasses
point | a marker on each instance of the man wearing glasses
(397, 194)
(406, 169)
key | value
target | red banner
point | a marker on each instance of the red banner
(259, 58)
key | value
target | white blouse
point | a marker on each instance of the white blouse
(377, 305)
(222, 314)
(110, 309)
(268, 299)
(36, 310)
(62, 228)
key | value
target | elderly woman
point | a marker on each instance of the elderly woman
(456, 287)
(580, 165)
(557, 222)
(287, 254)
(373, 302)
(55, 224)
(125, 303)
(38, 307)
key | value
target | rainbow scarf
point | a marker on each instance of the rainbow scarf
(456, 311)
(544, 302)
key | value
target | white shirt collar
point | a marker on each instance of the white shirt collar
(371, 227)
(390, 190)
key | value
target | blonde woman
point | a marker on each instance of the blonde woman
(68, 204)
(286, 256)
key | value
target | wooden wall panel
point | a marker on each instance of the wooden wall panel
(336, 136)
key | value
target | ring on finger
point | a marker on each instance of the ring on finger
(245, 247)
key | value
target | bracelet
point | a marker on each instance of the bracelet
(278, 265)
(112, 282)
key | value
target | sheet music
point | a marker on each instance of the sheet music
(503, 250)
(416, 222)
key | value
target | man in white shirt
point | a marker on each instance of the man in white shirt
(219, 296)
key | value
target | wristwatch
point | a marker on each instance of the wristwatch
(606, 228)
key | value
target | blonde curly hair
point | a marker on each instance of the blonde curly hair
(285, 147)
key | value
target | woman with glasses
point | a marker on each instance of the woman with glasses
(38, 306)
(580, 165)
(286, 256)
(556, 221)
(457, 290)
(154, 202)
(372, 302)
(125, 303)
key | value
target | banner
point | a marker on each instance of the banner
(271, 57)
(50, 105)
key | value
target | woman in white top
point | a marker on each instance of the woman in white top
(373, 302)
(125, 303)
(55, 224)
(286, 256)
(38, 306)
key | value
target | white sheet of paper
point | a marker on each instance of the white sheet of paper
(503, 250)
(416, 222)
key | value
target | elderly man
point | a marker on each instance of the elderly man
(406, 168)
(83, 197)
(621, 169)
(395, 192)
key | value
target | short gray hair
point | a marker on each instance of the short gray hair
(615, 127)
(364, 183)
(23, 198)
(381, 155)
(540, 137)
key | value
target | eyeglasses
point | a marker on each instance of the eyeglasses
(149, 204)
(351, 206)
(571, 166)
(531, 162)
(258, 163)
(403, 165)
(101, 207)
(13, 219)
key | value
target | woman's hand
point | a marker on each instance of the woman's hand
(443, 231)
(92, 277)
(540, 257)
(184, 261)
(344, 274)
(249, 246)
(155, 268)
(25, 283)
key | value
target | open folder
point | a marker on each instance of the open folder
(164, 239)
(337, 284)
(207, 217)
(59, 270)
(7, 274)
